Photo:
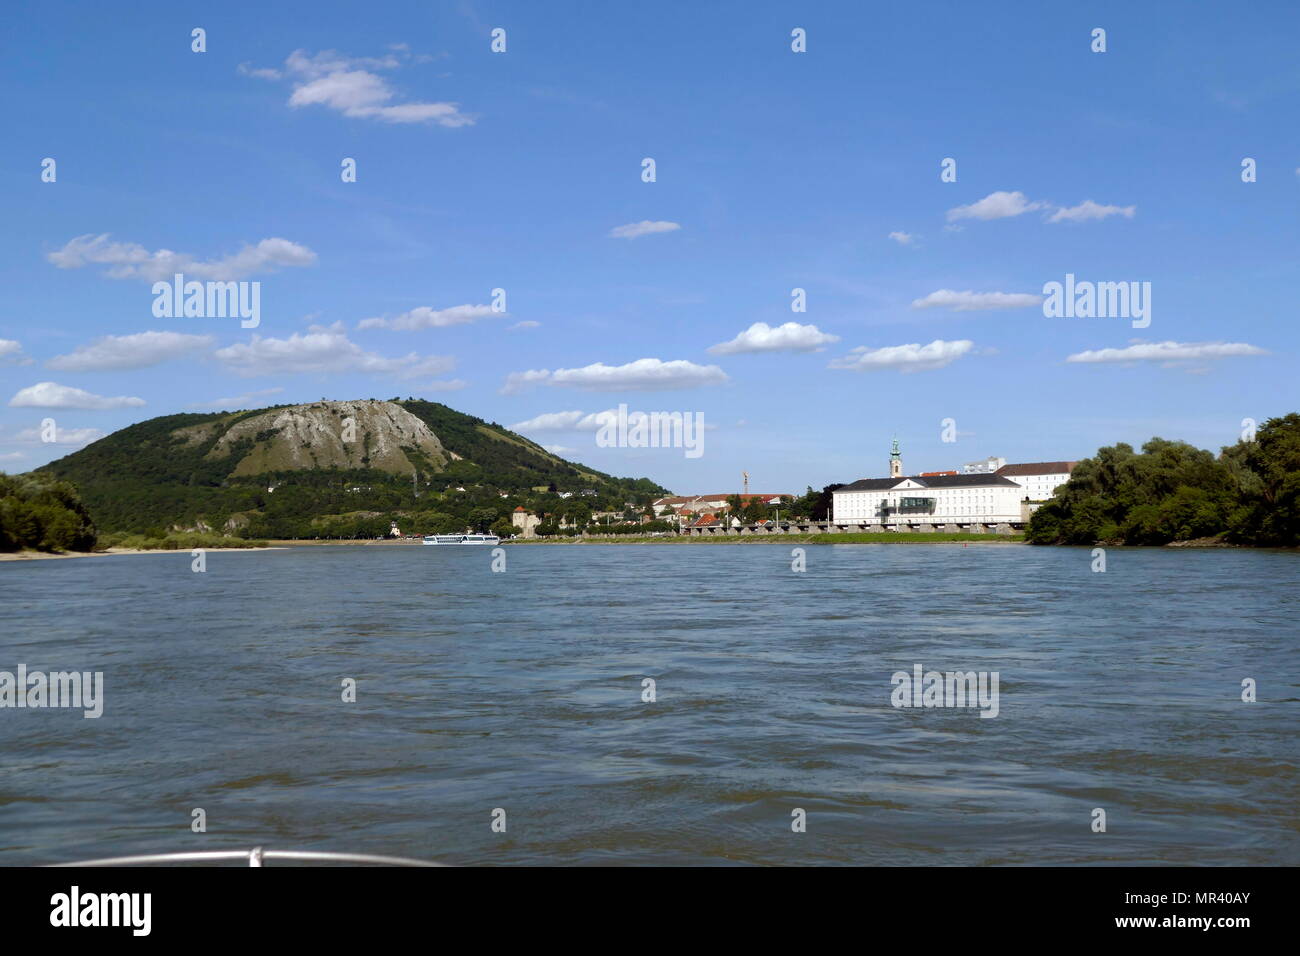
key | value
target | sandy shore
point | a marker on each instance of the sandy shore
(46, 556)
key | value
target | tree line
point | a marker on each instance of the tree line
(1172, 491)
(40, 512)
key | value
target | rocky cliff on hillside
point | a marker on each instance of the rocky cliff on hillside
(354, 434)
(291, 470)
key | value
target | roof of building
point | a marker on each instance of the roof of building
(1038, 468)
(930, 481)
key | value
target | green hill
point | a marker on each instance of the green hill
(325, 469)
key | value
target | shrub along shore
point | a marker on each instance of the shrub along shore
(177, 541)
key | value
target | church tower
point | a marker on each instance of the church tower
(895, 461)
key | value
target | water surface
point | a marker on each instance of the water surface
(522, 690)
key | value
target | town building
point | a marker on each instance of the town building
(708, 504)
(989, 466)
(525, 521)
(937, 499)
(705, 521)
(1040, 479)
(988, 492)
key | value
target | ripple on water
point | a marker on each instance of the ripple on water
(524, 691)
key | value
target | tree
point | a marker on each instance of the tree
(820, 509)
(39, 511)
(1172, 491)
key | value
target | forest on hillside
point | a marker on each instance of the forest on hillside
(145, 479)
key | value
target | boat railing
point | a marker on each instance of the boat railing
(257, 856)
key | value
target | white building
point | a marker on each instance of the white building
(935, 499)
(989, 492)
(1040, 479)
(989, 466)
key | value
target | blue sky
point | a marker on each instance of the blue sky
(776, 170)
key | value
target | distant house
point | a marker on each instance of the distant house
(525, 521)
(988, 466)
(679, 504)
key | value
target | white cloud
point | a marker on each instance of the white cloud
(549, 422)
(51, 395)
(11, 353)
(975, 301)
(349, 86)
(761, 337)
(903, 238)
(427, 318)
(246, 400)
(574, 421)
(643, 228)
(62, 436)
(13, 456)
(998, 205)
(647, 374)
(1004, 205)
(597, 420)
(905, 358)
(115, 352)
(560, 449)
(1090, 210)
(516, 381)
(129, 260)
(1168, 352)
(581, 422)
(525, 324)
(323, 349)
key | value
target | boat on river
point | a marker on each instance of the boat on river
(440, 539)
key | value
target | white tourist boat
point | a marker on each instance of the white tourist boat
(461, 539)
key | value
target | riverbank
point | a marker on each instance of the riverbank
(670, 539)
(335, 542)
(53, 556)
(844, 538)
